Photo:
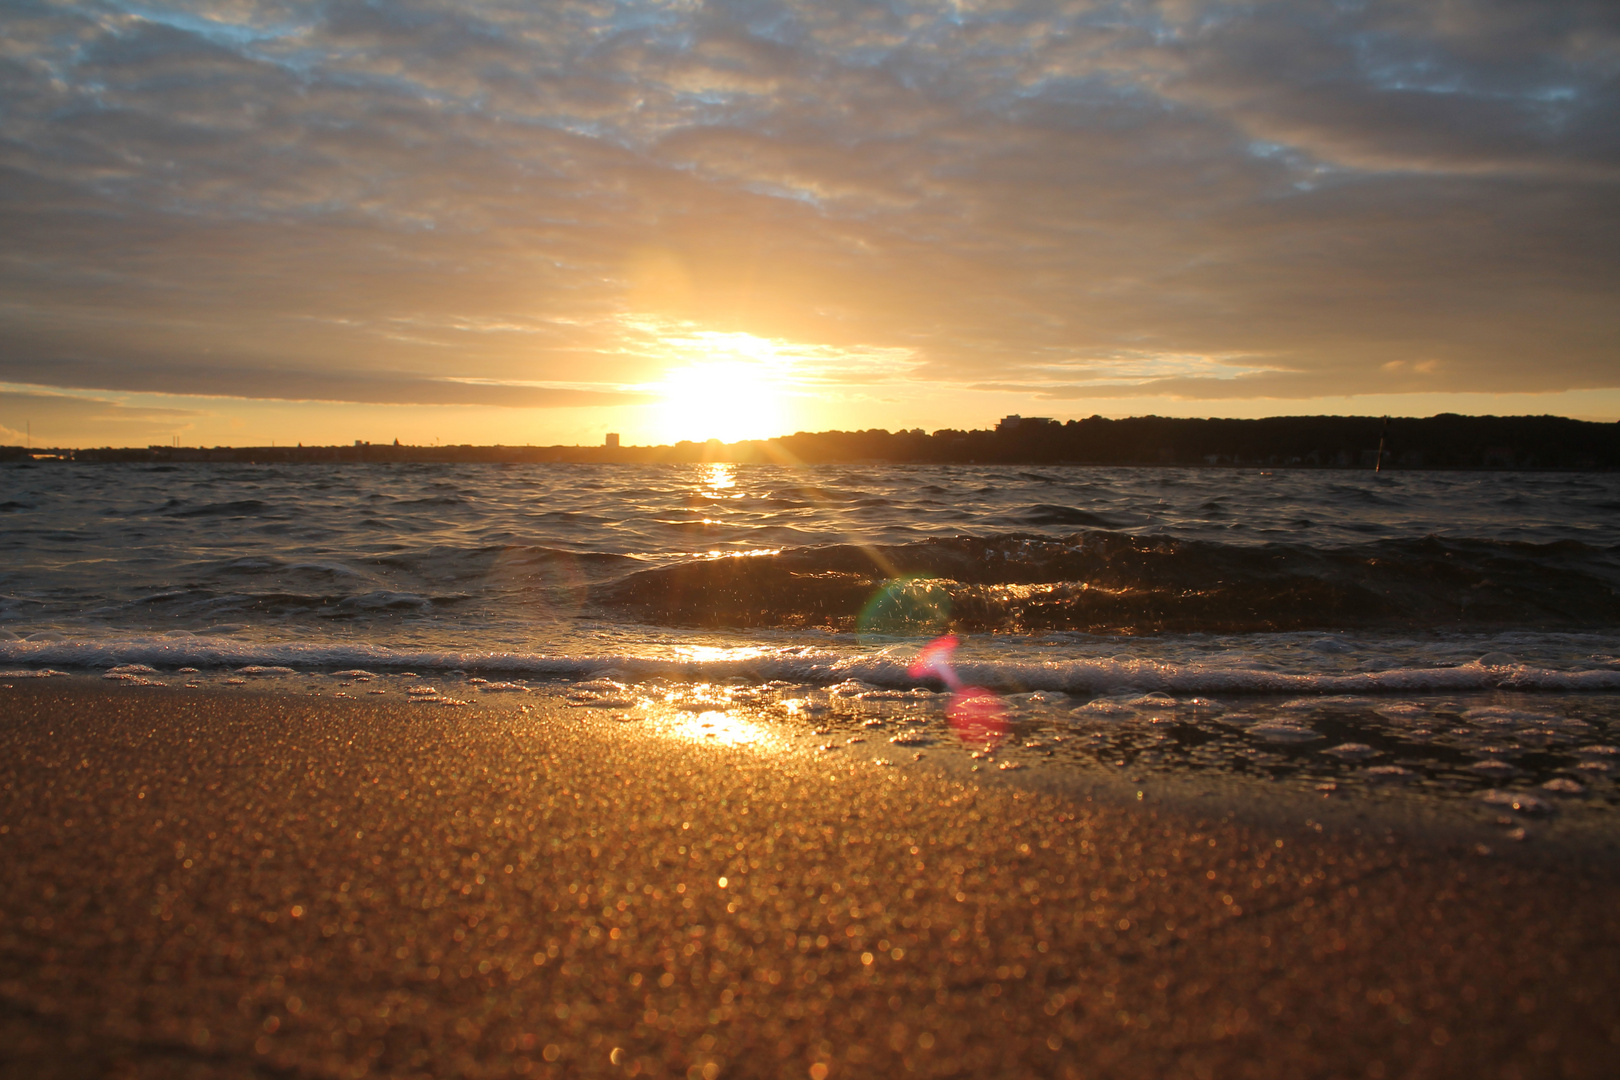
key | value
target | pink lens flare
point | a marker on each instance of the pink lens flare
(935, 659)
(976, 714)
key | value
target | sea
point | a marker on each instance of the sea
(1454, 635)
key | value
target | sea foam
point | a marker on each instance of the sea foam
(887, 669)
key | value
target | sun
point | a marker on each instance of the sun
(721, 399)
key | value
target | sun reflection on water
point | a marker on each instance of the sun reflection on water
(717, 477)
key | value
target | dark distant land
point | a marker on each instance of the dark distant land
(1446, 441)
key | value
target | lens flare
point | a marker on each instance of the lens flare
(906, 606)
(976, 714)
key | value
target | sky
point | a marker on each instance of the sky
(250, 221)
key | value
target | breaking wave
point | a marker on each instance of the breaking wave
(886, 668)
(1113, 583)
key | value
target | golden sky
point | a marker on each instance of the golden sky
(481, 221)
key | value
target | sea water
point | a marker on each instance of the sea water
(1451, 633)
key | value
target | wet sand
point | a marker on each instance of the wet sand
(204, 883)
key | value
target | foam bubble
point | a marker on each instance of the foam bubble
(1103, 707)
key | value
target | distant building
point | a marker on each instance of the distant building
(612, 440)
(1014, 422)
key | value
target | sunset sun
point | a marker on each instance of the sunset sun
(725, 400)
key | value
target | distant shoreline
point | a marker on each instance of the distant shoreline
(1445, 441)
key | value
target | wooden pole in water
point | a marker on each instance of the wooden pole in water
(1378, 465)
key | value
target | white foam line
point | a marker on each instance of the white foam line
(1070, 676)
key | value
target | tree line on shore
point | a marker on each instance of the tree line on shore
(1446, 441)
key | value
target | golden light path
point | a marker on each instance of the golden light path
(718, 480)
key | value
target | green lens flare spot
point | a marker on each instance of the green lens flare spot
(906, 607)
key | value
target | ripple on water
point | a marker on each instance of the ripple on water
(1388, 774)
(1312, 704)
(1275, 731)
(1521, 802)
(1502, 716)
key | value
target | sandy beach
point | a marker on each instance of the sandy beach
(212, 883)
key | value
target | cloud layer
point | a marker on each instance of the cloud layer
(360, 201)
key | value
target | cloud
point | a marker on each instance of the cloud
(47, 416)
(284, 384)
(368, 202)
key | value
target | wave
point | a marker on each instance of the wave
(443, 561)
(1113, 583)
(1050, 514)
(236, 508)
(887, 669)
(213, 604)
(250, 565)
(431, 500)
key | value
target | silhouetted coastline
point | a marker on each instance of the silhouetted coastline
(1446, 441)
